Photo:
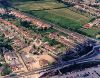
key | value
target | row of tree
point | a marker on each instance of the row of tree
(4, 44)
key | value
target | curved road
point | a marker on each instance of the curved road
(93, 55)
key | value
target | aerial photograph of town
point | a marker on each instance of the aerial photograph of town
(49, 38)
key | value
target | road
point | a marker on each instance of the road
(68, 63)
(66, 31)
(64, 64)
(93, 55)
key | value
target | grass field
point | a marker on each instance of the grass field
(28, 0)
(54, 12)
(91, 32)
(62, 17)
(38, 5)
(70, 15)
(51, 10)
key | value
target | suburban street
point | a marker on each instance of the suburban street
(92, 56)
(49, 38)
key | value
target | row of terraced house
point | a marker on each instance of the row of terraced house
(88, 9)
(39, 23)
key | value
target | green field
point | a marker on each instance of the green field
(52, 9)
(62, 17)
(38, 5)
(54, 12)
(91, 32)
(28, 0)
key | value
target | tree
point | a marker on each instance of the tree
(6, 43)
(59, 0)
(6, 70)
(25, 24)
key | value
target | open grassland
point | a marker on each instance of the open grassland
(28, 0)
(38, 5)
(91, 32)
(62, 17)
(54, 12)
(63, 12)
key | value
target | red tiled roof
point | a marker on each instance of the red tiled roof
(87, 26)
